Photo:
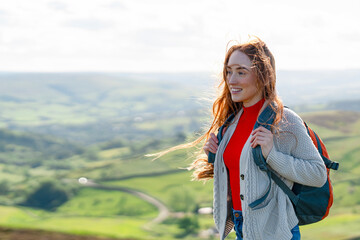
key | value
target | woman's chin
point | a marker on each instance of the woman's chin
(236, 99)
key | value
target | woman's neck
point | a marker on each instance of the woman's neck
(255, 105)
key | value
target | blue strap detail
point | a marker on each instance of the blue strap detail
(265, 119)
(330, 164)
(307, 128)
(285, 188)
(334, 165)
(294, 199)
(211, 156)
(318, 143)
(260, 200)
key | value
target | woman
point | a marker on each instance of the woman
(248, 86)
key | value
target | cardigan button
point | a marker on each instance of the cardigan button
(242, 197)
(242, 176)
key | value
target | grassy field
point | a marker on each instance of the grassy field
(91, 212)
(90, 118)
(335, 227)
(98, 203)
(116, 214)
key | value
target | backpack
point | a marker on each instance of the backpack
(311, 204)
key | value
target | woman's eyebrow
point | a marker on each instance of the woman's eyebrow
(238, 68)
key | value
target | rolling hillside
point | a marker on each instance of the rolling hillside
(180, 195)
(90, 108)
(63, 127)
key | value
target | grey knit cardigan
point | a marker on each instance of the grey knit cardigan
(294, 158)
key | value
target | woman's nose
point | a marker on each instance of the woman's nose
(232, 79)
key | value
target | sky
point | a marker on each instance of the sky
(174, 35)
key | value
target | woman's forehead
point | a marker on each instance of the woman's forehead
(238, 58)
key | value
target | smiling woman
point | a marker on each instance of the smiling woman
(247, 89)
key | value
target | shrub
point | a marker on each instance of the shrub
(189, 225)
(47, 196)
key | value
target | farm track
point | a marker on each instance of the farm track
(163, 210)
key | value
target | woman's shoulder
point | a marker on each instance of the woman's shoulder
(291, 119)
(290, 130)
(289, 113)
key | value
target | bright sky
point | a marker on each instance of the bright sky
(174, 35)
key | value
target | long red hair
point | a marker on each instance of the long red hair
(263, 64)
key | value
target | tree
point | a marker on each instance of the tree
(47, 196)
(189, 224)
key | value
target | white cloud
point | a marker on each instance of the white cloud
(57, 5)
(92, 24)
(173, 35)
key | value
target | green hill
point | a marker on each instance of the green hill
(29, 149)
(163, 179)
(63, 127)
(89, 108)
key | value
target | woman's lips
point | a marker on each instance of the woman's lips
(235, 90)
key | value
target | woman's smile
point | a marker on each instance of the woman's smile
(235, 90)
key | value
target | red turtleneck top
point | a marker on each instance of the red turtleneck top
(233, 149)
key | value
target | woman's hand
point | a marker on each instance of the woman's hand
(211, 145)
(263, 137)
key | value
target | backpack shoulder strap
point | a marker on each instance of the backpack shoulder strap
(220, 135)
(266, 119)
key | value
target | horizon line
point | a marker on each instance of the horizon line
(164, 72)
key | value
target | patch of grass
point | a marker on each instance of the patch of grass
(334, 120)
(339, 227)
(347, 193)
(114, 153)
(11, 177)
(120, 226)
(103, 203)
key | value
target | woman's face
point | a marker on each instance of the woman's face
(241, 80)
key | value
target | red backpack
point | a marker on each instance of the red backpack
(328, 163)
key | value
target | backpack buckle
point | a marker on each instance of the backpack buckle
(334, 165)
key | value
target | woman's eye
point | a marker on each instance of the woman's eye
(228, 72)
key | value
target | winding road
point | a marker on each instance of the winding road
(163, 210)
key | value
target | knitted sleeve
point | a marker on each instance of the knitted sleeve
(294, 156)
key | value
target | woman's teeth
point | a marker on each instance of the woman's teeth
(235, 90)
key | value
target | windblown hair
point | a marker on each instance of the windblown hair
(263, 64)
